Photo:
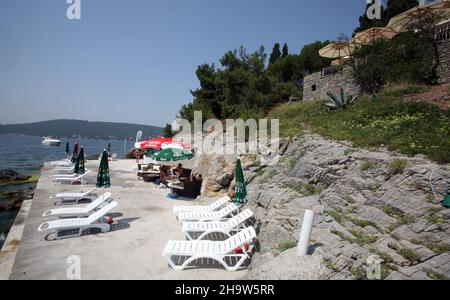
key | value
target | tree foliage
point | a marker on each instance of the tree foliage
(246, 86)
(276, 53)
(404, 58)
(391, 9)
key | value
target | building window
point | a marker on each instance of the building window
(314, 88)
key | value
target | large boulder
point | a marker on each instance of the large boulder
(11, 175)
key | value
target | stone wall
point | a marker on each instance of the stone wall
(444, 69)
(316, 85)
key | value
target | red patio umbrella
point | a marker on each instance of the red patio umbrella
(156, 143)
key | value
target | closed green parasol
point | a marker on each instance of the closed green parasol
(446, 201)
(75, 153)
(171, 156)
(67, 149)
(79, 165)
(109, 147)
(240, 192)
(103, 179)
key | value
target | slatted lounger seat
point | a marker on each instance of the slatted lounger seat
(79, 212)
(63, 198)
(202, 208)
(71, 180)
(76, 227)
(218, 251)
(224, 227)
(209, 216)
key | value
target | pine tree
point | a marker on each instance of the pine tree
(276, 53)
(285, 51)
(168, 131)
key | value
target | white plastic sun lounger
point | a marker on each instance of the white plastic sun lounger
(62, 163)
(208, 216)
(73, 197)
(70, 180)
(78, 212)
(76, 227)
(216, 250)
(68, 175)
(64, 171)
(202, 208)
(223, 227)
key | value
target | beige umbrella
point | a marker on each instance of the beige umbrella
(368, 36)
(406, 21)
(337, 50)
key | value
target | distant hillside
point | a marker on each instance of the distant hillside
(85, 129)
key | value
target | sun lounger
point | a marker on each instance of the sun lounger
(222, 227)
(62, 163)
(73, 197)
(219, 251)
(64, 170)
(208, 216)
(69, 174)
(71, 180)
(78, 212)
(66, 228)
(200, 208)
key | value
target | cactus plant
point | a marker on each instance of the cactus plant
(340, 100)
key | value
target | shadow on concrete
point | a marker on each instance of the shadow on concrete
(312, 248)
(123, 224)
(209, 264)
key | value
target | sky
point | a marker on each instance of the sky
(134, 61)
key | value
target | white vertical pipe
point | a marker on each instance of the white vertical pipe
(305, 233)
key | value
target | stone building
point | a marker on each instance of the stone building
(315, 86)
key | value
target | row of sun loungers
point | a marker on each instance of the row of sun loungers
(73, 221)
(205, 221)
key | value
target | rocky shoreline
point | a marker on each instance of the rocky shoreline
(15, 188)
(367, 203)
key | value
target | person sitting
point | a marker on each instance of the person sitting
(163, 174)
(179, 170)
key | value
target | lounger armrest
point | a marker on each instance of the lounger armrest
(40, 228)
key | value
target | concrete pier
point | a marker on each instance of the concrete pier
(144, 222)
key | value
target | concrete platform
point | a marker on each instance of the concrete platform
(144, 222)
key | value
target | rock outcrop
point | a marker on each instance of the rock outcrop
(11, 176)
(367, 204)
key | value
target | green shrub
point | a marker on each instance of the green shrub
(402, 217)
(266, 177)
(286, 245)
(397, 166)
(435, 219)
(403, 89)
(410, 255)
(348, 199)
(338, 217)
(435, 275)
(305, 190)
(368, 165)
(439, 248)
(383, 61)
(363, 238)
(408, 127)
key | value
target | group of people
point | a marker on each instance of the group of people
(179, 172)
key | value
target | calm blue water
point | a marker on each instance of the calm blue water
(26, 154)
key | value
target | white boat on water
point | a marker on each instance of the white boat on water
(50, 141)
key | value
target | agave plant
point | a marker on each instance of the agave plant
(340, 100)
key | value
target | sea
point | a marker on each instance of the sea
(27, 155)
